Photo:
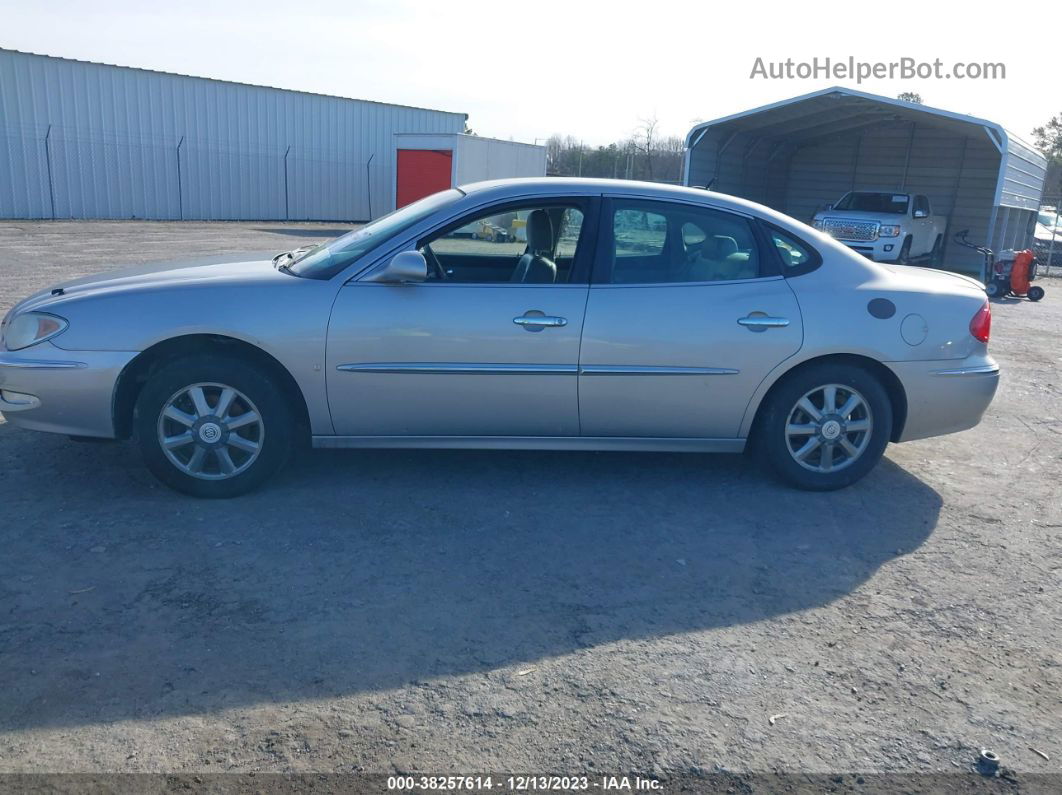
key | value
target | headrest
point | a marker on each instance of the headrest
(724, 246)
(540, 232)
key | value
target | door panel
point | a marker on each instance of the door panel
(448, 359)
(672, 360)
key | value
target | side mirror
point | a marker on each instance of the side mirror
(404, 267)
(921, 214)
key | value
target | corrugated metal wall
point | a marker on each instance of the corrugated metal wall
(959, 174)
(489, 158)
(84, 140)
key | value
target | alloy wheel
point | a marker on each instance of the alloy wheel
(829, 428)
(210, 431)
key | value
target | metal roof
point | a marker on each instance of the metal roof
(229, 82)
(836, 110)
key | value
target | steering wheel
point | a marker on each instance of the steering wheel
(434, 264)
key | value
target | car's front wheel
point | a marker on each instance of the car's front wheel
(826, 426)
(212, 426)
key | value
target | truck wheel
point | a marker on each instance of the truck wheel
(904, 257)
(936, 256)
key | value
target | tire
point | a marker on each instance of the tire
(782, 411)
(904, 257)
(993, 289)
(1035, 293)
(936, 256)
(255, 433)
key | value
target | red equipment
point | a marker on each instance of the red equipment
(1019, 272)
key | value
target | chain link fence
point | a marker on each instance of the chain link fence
(58, 173)
(1047, 237)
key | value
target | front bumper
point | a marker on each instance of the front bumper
(45, 388)
(946, 396)
(884, 249)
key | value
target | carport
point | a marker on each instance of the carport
(800, 154)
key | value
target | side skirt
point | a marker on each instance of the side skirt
(678, 445)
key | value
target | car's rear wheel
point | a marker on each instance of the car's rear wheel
(212, 426)
(826, 426)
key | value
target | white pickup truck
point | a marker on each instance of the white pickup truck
(886, 226)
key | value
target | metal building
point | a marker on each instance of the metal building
(442, 161)
(89, 140)
(801, 154)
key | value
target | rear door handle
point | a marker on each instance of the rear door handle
(536, 321)
(763, 322)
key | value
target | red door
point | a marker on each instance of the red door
(422, 172)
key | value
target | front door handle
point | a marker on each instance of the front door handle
(533, 320)
(758, 322)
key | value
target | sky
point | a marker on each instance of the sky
(593, 70)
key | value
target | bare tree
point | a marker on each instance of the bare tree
(647, 141)
(910, 96)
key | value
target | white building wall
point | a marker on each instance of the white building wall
(87, 140)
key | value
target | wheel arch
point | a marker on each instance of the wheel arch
(889, 380)
(136, 373)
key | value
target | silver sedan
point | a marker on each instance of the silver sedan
(598, 314)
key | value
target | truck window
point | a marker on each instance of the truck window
(867, 202)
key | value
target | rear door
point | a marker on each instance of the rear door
(687, 314)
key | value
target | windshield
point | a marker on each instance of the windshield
(1048, 219)
(328, 259)
(893, 203)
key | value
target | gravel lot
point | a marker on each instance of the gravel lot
(567, 612)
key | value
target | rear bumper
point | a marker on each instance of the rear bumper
(45, 388)
(946, 396)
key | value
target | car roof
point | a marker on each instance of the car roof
(501, 189)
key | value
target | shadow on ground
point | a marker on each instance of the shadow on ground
(365, 570)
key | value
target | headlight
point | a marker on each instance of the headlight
(30, 328)
(889, 231)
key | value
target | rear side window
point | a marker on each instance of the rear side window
(665, 243)
(796, 256)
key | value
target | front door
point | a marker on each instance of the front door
(489, 346)
(689, 315)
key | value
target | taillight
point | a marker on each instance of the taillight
(981, 323)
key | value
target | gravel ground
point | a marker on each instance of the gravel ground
(472, 611)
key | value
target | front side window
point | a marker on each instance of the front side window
(663, 243)
(531, 244)
(921, 205)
